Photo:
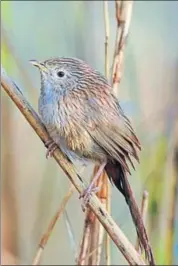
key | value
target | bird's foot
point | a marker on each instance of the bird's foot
(85, 195)
(51, 147)
(92, 188)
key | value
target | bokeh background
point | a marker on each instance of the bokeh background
(32, 187)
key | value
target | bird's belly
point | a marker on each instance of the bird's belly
(81, 148)
(73, 155)
(73, 140)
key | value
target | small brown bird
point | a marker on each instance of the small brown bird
(84, 118)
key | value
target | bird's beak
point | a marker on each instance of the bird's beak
(41, 66)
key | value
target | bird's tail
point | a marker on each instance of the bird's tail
(118, 176)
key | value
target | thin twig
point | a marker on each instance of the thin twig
(144, 210)
(123, 17)
(85, 244)
(33, 119)
(53, 222)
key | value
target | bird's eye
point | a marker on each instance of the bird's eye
(60, 74)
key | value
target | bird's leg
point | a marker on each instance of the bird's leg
(51, 147)
(92, 188)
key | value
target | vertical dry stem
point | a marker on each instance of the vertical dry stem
(84, 248)
(123, 17)
(91, 246)
(97, 232)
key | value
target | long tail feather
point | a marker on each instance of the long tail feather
(118, 176)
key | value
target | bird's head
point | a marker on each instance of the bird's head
(64, 74)
(61, 74)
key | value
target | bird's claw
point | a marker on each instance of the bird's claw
(51, 147)
(85, 195)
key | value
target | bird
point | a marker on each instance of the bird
(85, 120)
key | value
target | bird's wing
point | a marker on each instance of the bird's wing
(112, 131)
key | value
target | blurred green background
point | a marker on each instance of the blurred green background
(32, 187)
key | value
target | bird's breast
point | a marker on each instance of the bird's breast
(48, 109)
(62, 124)
(64, 121)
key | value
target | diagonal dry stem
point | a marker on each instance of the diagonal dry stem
(47, 234)
(33, 119)
(123, 17)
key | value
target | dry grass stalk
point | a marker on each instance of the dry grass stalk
(93, 232)
(96, 206)
(91, 246)
(123, 17)
(84, 248)
(144, 210)
(47, 234)
(97, 231)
